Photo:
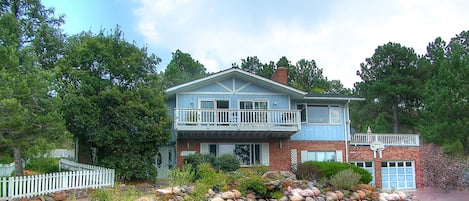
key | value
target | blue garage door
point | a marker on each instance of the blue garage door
(398, 174)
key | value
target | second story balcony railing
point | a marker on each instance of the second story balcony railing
(387, 139)
(237, 119)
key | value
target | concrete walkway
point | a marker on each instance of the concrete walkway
(435, 194)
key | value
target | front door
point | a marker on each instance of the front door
(165, 160)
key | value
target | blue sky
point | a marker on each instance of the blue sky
(337, 34)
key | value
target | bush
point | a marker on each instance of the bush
(43, 165)
(345, 179)
(308, 171)
(329, 169)
(227, 163)
(252, 184)
(208, 179)
(196, 159)
(181, 176)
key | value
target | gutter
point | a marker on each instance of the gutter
(346, 131)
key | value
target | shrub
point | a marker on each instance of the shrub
(227, 163)
(250, 181)
(181, 176)
(196, 159)
(329, 169)
(43, 165)
(308, 171)
(101, 195)
(208, 179)
(252, 184)
(345, 179)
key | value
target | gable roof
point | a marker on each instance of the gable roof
(238, 73)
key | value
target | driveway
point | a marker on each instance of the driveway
(435, 194)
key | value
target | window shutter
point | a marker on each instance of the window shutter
(304, 156)
(265, 154)
(204, 148)
(338, 156)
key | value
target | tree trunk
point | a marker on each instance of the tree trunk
(395, 120)
(18, 161)
(465, 145)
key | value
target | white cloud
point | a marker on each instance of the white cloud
(346, 35)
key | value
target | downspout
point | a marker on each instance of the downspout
(346, 131)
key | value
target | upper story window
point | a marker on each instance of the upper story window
(323, 114)
(251, 104)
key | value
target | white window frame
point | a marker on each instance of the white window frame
(263, 148)
(331, 112)
(337, 155)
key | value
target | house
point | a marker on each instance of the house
(264, 121)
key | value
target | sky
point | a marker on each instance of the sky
(337, 34)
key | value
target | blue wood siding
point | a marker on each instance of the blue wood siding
(232, 90)
(320, 132)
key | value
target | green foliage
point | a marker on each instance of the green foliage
(252, 183)
(446, 107)
(329, 169)
(115, 194)
(389, 79)
(182, 176)
(345, 179)
(114, 101)
(31, 42)
(227, 163)
(181, 69)
(209, 178)
(101, 195)
(277, 195)
(196, 159)
(308, 171)
(43, 165)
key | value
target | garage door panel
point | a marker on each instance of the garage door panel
(398, 174)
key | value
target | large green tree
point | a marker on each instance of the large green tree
(114, 103)
(30, 43)
(182, 68)
(445, 119)
(389, 82)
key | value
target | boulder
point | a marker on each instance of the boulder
(296, 197)
(236, 193)
(227, 195)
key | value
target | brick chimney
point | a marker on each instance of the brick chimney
(281, 75)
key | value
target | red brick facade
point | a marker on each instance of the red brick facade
(280, 155)
(390, 153)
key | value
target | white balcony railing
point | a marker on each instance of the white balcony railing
(193, 119)
(387, 139)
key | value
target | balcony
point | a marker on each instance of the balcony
(233, 123)
(387, 139)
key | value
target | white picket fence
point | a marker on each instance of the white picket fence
(81, 177)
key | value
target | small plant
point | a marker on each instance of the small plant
(252, 184)
(43, 165)
(345, 179)
(101, 195)
(182, 176)
(260, 169)
(276, 195)
(227, 163)
(209, 178)
(308, 171)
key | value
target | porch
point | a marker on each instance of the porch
(234, 123)
(360, 139)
